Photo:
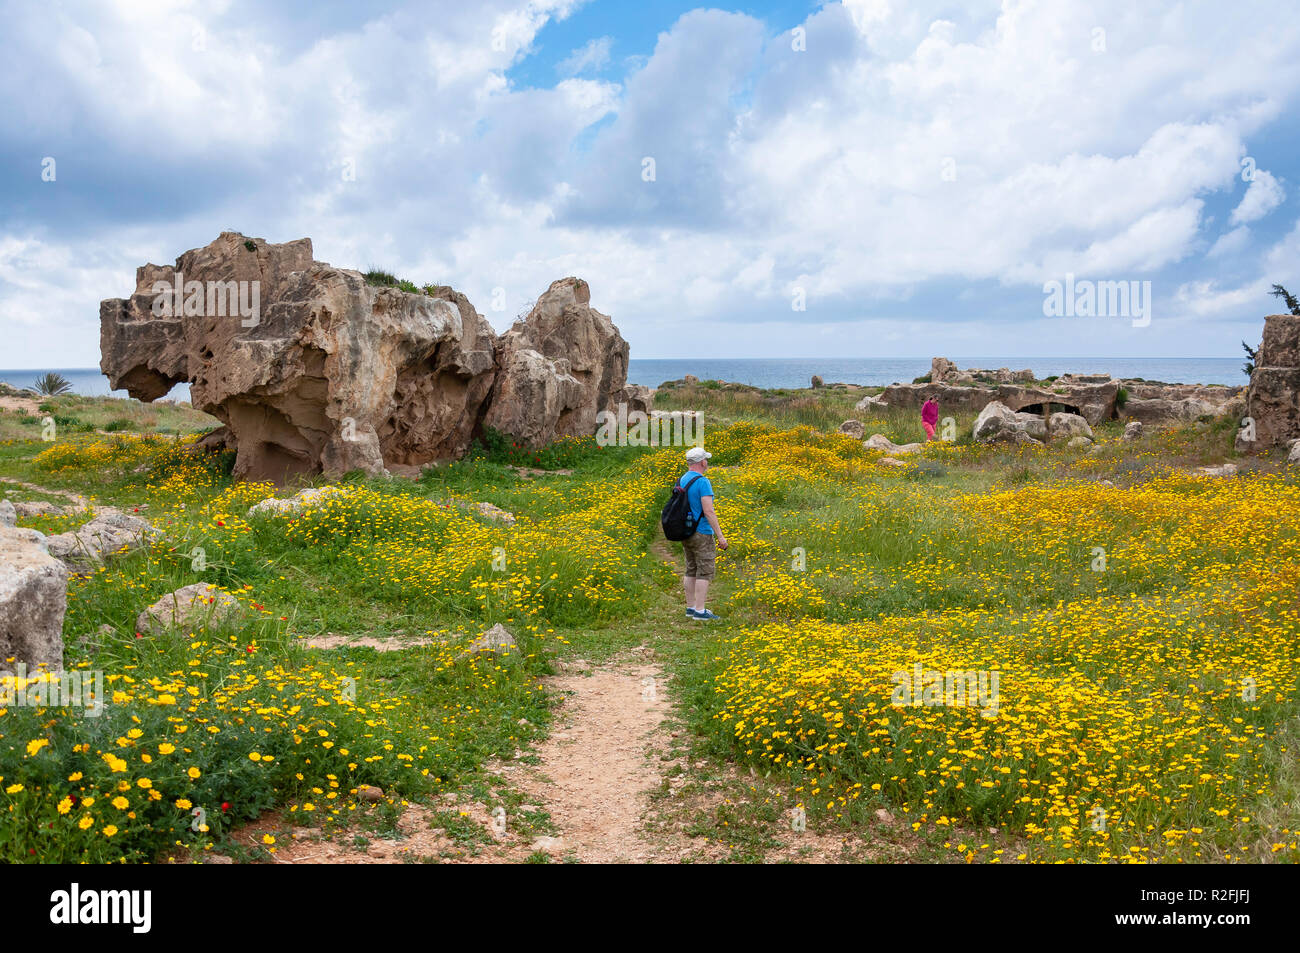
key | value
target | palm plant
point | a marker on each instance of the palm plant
(52, 385)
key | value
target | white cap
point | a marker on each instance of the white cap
(696, 454)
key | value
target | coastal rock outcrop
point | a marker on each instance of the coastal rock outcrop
(313, 369)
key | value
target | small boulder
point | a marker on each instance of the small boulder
(869, 403)
(999, 423)
(370, 794)
(1294, 455)
(1079, 441)
(1132, 430)
(33, 600)
(296, 503)
(108, 534)
(38, 508)
(8, 515)
(495, 513)
(853, 428)
(1067, 425)
(1223, 470)
(817, 382)
(199, 604)
(496, 640)
(879, 441)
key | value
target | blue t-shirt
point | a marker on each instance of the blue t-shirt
(700, 487)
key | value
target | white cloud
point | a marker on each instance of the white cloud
(594, 55)
(1263, 195)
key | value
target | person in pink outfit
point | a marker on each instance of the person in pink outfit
(929, 417)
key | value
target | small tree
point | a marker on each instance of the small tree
(52, 385)
(1292, 304)
(1249, 366)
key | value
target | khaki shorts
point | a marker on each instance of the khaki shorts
(700, 549)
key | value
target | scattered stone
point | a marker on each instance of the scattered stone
(817, 383)
(551, 845)
(1224, 470)
(853, 428)
(1067, 425)
(884, 816)
(33, 599)
(39, 508)
(1294, 455)
(217, 859)
(198, 604)
(8, 515)
(109, 533)
(880, 442)
(1132, 430)
(496, 640)
(891, 462)
(294, 504)
(370, 794)
(869, 403)
(1079, 441)
(495, 513)
(998, 423)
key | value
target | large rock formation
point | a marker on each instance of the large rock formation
(557, 368)
(1273, 398)
(317, 370)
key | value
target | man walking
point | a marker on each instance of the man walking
(701, 546)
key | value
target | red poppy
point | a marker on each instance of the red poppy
(225, 806)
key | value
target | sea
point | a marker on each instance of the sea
(786, 372)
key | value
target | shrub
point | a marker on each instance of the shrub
(923, 379)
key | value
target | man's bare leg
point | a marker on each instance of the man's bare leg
(701, 593)
(688, 583)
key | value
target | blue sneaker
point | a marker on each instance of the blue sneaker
(705, 616)
(690, 613)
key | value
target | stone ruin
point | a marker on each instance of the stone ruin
(313, 370)
(1273, 399)
(1095, 397)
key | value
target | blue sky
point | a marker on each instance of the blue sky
(911, 173)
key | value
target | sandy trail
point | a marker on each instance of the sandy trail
(602, 760)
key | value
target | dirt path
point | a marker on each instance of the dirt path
(602, 760)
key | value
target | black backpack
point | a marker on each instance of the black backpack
(676, 518)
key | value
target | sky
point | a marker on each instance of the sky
(867, 178)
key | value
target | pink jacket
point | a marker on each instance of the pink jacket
(930, 413)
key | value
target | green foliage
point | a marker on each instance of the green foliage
(923, 379)
(52, 384)
(1292, 304)
(250, 245)
(496, 447)
(1251, 355)
(1121, 397)
(116, 424)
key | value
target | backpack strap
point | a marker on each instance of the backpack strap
(687, 485)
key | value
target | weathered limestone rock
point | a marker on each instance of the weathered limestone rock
(1067, 425)
(8, 514)
(494, 513)
(998, 423)
(1223, 470)
(1132, 430)
(496, 640)
(637, 397)
(1273, 398)
(38, 508)
(853, 428)
(879, 441)
(557, 368)
(944, 371)
(1170, 410)
(33, 600)
(199, 604)
(1293, 456)
(109, 533)
(817, 382)
(294, 504)
(869, 403)
(1094, 402)
(328, 373)
(1079, 441)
